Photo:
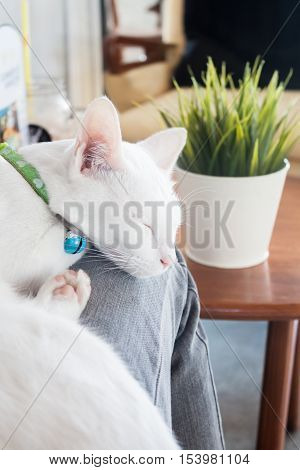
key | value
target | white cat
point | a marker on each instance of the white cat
(61, 387)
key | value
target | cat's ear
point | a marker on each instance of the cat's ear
(99, 141)
(165, 146)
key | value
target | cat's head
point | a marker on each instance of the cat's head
(130, 210)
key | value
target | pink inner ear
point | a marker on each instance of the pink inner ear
(96, 155)
(100, 142)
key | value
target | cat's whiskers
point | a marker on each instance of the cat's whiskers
(114, 255)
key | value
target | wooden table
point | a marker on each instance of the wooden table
(271, 292)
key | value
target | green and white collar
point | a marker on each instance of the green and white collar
(74, 242)
(28, 171)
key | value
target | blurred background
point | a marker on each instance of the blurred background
(132, 51)
(75, 50)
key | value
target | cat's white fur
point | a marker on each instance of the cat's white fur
(61, 387)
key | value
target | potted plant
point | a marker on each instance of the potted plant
(231, 173)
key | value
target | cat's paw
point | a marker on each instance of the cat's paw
(66, 294)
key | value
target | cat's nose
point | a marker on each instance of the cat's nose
(166, 261)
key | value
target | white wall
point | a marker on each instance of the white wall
(84, 45)
(68, 46)
(46, 34)
(48, 37)
(13, 9)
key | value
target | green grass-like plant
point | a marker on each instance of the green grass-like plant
(233, 130)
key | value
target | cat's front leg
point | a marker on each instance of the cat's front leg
(65, 294)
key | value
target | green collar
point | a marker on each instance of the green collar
(28, 171)
(74, 242)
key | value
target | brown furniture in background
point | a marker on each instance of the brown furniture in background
(268, 292)
(115, 43)
(140, 54)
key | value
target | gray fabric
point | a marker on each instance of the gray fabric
(154, 325)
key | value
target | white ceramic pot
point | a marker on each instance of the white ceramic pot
(230, 219)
